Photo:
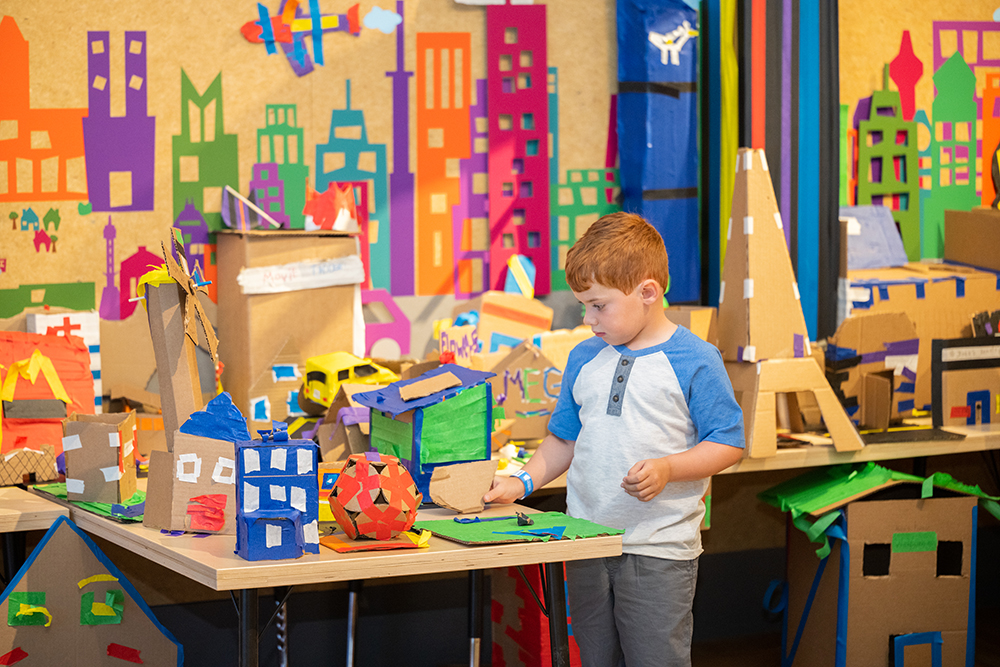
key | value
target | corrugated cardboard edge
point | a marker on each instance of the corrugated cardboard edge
(461, 487)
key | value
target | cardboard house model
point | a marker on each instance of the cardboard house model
(100, 457)
(277, 497)
(193, 487)
(443, 416)
(897, 572)
(69, 605)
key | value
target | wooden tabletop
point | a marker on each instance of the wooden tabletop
(21, 510)
(211, 561)
(977, 439)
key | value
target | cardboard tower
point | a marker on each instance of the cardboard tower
(760, 317)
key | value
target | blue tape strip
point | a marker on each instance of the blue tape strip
(838, 531)
(93, 349)
(914, 639)
(905, 405)
(317, 31)
(906, 387)
(266, 33)
(96, 374)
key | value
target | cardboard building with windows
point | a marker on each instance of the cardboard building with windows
(896, 570)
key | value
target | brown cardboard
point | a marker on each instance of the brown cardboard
(431, 385)
(973, 237)
(702, 321)
(337, 441)
(556, 345)
(277, 392)
(136, 396)
(866, 334)
(759, 311)
(461, 487)
(20, 466)
(418, 369)
(100, 463)
(168, 495)
(463, 342)
(255, 328)
(345, 399)
(911, 598)
(176, 363)
(876, 401)
(150, 435)
(526, 382)
(941, 313)
(512, 315)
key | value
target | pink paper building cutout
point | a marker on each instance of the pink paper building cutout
(517, 72)
(131, 270)
(397, 330)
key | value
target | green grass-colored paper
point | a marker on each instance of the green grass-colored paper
(490, 532)
(58, 489)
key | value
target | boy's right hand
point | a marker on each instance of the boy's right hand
(504, 490)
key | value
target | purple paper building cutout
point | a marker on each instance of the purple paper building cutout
(473, 209)
(401, 179)
(110, 298)
(131, 270)
(120, 145)
(267, 190)
(194, 234)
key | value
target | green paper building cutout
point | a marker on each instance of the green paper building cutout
(575, 205)
(282, 130)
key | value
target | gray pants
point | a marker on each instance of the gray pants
(632, 610)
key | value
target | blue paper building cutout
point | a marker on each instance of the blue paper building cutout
(277, 498)
(875, 243)
(220, 420)
(448, 426)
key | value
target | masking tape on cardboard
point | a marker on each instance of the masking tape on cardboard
(182, 475)
(729, 230)
(272, 535)
(748, 160)
(74, 485)
(251, 497)
(777, 221)
(127, 447)
(299, 498)
(251, 460)
(763, 159)
(305, 461)
(748, 225)
(748, 288)
(114, 440)
(220, 467)
(277, 493)
(853, 226)
(111, 473)
(750, 353)
(310, 532)
(722, 291)
(278, 456)
(71, 442)
(795, 288)
(901, 362)
(296, 276)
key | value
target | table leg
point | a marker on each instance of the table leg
(555, 602)
(13, 555)
(249, 624)
(281, 624)
(353, 590)
(475, 616)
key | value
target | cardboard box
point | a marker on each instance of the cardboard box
(192, 488)
(506, 319)
(965, 381)
(526, 386)
(254, 328)
(973, 237)
(100, 463)
(939, 299)
(702, 321)
(556, 345)
(343, 434)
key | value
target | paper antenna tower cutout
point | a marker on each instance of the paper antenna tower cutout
(374, 497)
(760, 316)
(69, 605)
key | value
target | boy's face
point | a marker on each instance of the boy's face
(611, 314)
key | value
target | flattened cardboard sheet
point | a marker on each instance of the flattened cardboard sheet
(461, 487)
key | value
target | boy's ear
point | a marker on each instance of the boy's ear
(650, 291)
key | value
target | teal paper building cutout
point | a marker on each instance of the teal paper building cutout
(888, 167)
(205, 159)
(576, 204)
(350, 153)
(953, 150)
(280, 141)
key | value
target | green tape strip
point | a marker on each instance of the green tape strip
(903, 543)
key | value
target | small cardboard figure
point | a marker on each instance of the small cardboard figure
(277, 498)
(193, 487)
(100, 458)
(174, 310)
(69, 605)
(374, 497)
(444, 423)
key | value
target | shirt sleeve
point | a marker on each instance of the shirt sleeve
(565, 420)
(716, 415)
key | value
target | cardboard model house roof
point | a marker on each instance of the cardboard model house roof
(69, 605)
(388, 399)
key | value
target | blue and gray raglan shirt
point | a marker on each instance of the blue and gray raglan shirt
(622, 406)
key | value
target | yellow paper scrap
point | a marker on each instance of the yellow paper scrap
(420, 540)
(96, 577)
(157, 275)
(27, 610)
(101, 609)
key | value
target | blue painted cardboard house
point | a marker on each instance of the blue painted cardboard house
(445, 426)
(277, 497)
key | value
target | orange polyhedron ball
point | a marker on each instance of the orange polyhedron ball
(374, 497)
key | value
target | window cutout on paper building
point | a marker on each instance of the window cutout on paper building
(451, 167)
(483, 124)
(507, 189)
(563, 228)
(439, 203)
(517, 166)
(583, 223)
(517, 217)
(480, 234)
(507, 84)
(100, 82)
(949, 558)
(368, 161)
(189, 168)
(534, 239)
(3, 177)
(565, 196)
(480, 184)
(526, 59)
(510, 35)
(531, 147)
(50, 174)
(333, 161)
(563, 253)
(508, 240)
(480, 145)
(25, 175)
(347, 132)
(588, 196)
(506, 62)
(212, 199)
(527, 121)
(445, 80)
(875, 561)
(135, 47)
(40, 140)
(435, 137)
(523, 81)
(506, 121)
(527, 189)
(97, 46)
(120, 188)
(8, 129)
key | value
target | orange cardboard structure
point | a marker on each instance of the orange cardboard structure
(100, 458)
(69, 605)
(762, 332)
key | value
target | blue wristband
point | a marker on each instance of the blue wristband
(529, 484)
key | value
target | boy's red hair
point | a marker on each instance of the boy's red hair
(620, 250)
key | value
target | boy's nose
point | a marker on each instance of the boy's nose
(588, 318)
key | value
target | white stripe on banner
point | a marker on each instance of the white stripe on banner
(302, 275)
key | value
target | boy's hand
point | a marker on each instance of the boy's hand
(504, 490)
(647, 478)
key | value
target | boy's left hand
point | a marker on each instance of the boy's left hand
(647, 478)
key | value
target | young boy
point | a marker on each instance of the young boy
(645, 415)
